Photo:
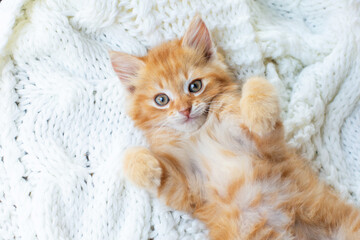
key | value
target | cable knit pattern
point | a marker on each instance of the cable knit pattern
(64, 128)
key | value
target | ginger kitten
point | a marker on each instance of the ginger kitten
(218, 152)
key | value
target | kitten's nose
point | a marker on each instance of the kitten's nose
(186, 112)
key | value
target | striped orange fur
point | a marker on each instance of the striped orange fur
(217, 151)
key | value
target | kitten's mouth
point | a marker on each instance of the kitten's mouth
(194, 118)
(190, 119)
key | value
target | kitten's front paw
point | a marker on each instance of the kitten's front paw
(142, 168)
(259, 106)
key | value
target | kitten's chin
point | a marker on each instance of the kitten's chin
(190, 125)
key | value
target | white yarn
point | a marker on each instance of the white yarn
(63, 124)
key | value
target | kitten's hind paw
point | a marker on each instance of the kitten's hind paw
(142, 168)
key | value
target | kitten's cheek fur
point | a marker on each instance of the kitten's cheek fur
(142, 168)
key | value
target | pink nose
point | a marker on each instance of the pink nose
(186, 112)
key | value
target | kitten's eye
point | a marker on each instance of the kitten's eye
(195, 86)
(161, 99)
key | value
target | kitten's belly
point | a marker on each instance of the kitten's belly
(231, 185)
(258, 202)
(264, 202)
(222, 157)
(226, 166)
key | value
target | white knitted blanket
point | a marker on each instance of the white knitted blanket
(62, 120)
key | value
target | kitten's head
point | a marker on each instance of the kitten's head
(174, 85)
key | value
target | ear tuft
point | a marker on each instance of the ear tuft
(126, 68)
(197, 36)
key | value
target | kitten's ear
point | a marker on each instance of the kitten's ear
(198, 36)
(126, 68)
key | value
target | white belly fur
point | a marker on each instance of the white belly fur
(217, 169)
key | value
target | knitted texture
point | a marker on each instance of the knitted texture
(64, 128)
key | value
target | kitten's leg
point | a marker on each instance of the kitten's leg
(142, 168)
(259, 106)
(319, 209)
(350, 228)
(162, 176)
(327, 216)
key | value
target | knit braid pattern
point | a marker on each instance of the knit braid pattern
(64, 125)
